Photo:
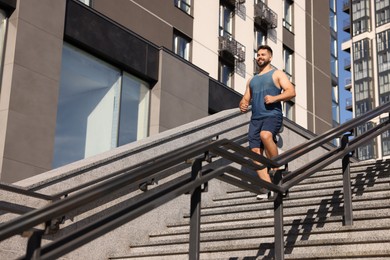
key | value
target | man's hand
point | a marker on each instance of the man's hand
(269, 99)
(244, 107)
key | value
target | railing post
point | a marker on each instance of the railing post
(278, 219)
(33, 251)
(348, 214)
(194, 250)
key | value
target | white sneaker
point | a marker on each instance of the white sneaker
(263, 194)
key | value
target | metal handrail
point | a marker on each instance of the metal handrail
(333, 133)
(202, 151)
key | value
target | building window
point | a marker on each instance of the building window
(3, 29)
(225, 20)
(86, 2)
(288, 15)
(260, 39)
(382, 12)
(385, 140)
(288, 110)
(360, 16)
(99, 107)
(383, 47)
(367, 151)
(288, 56)
(226, 73)
(184, 5)
(181, 45)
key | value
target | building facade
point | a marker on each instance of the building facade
(82, 77)
(369, 65)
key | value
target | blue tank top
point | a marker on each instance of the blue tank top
(260, 86)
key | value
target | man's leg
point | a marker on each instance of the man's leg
(263, 174)
(271, 150)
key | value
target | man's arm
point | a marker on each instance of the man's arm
(285, 84)
(246, 99)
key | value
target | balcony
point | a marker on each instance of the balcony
(348, 84)
(264, 17)
(347, 25)
(348, 104)
(231, 50)
(234, 2)
(346, 6)
(347, 64)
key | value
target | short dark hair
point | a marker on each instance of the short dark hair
(265, 47)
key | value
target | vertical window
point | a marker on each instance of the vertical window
(226, 74)
(260, 39)
(360, 16)
(288, 15)
(3, 28)
(288, 56)
(383, 48)
(181, 45)
(99, 107)
(87, 2)
(367, 151)
(225, 21)
(382, 12)
(385, 140)
(184, 5)
(335, 106)
(288, 110)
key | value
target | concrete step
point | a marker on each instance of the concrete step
(344, 245)
(360, 220)
(238, 226)
(298, 228)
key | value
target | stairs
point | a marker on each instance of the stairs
(237, 226)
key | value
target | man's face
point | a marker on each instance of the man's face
(263, 58)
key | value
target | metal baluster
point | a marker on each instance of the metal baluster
(194, 251)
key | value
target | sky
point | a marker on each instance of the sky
(343, 74)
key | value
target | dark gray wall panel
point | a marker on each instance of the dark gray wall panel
(102, 37)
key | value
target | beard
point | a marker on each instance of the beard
(263, 64)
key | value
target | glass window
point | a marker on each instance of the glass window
(288, 15)
(181, 45)
(288, 62)
(184, 5)
(367, 151)
(87, 2)
(382, 12)
(360, 16)
(332, 5)
(226, 74)
(99, 108)
(225, 21)
(134, 109)
(3, 28)
(288, 110)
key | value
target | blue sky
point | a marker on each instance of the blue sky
(343, 74)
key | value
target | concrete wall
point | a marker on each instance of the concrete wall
(180, 96)
(28, 101)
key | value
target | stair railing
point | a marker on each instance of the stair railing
(193, 184)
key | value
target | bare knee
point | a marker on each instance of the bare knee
(266, 136)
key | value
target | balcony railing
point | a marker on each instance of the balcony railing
(265, 17)
(348, 104)
(348, 84)
(346, 6)
(234, 2)
(229, 45)
(347, 25)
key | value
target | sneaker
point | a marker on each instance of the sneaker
(271, 195)
(263, 194)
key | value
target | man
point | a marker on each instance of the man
(265, 91)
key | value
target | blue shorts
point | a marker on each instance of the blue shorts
(271, 124)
